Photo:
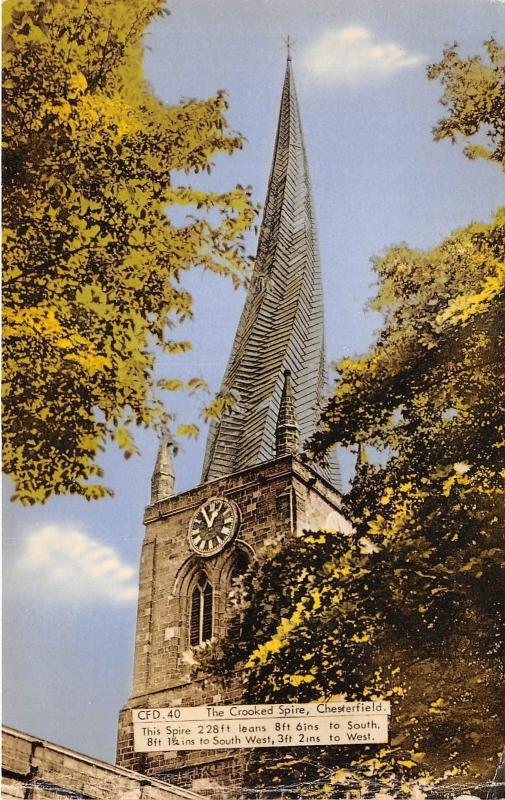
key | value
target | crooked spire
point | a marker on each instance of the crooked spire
(163, 477)
(282, 323)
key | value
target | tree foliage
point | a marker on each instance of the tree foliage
(474, 94)
(92, 261)
(412, 606)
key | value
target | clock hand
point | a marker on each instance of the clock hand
(207, 520)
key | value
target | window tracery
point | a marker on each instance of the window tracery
(201, 612)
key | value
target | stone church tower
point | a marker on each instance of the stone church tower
(255, 486)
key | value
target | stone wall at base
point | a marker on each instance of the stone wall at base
(40, 770)
(211, 772)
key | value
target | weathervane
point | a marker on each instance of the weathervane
(289, 42)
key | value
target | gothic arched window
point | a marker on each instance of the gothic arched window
(200, 626)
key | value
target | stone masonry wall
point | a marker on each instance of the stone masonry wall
(42, 771)
(207, 771)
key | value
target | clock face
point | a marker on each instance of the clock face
(212, 526)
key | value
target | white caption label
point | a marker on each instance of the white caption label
(284, 725)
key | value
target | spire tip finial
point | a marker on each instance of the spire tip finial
(288, 41)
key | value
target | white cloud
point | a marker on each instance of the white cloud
(351, 55)
(65, 564)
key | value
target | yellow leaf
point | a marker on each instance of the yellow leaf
(191, 431)
(171, 384)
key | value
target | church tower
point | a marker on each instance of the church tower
(257, 486)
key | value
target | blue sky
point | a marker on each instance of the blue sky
(70, 567)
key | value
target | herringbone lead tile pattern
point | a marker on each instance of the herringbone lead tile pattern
(282, 323)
